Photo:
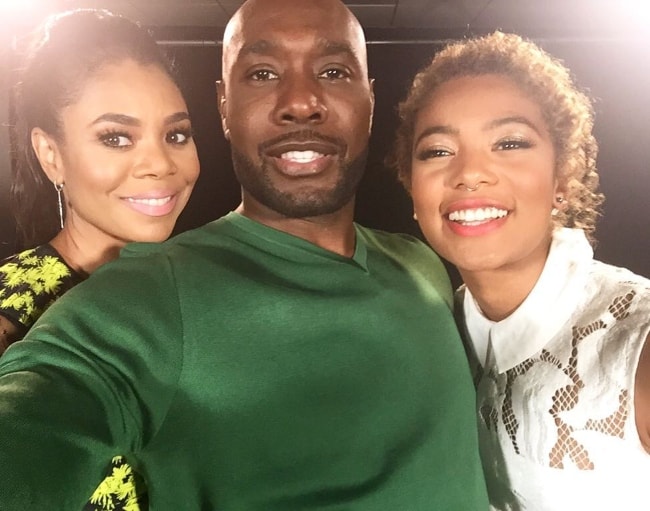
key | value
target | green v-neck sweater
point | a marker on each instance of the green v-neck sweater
(240, 368)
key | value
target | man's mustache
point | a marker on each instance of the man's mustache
(307, 135)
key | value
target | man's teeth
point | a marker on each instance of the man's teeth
(477, 215)
(150, 202)
(301, 156)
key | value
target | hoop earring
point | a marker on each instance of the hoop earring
(59, 188)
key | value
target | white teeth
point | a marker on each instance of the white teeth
(477, 215)
(301, 156)
(150, 202)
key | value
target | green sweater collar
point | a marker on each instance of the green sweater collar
(297, 248)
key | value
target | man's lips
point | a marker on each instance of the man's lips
(303, 153)
(301, 156)
(301, 141)
(302, 163)
(301, 150)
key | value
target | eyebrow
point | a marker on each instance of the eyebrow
(434, 130)
(515, 119)
(448, 130)
(128, 120)
(267, 47)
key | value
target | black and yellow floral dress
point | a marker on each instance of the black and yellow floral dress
(29, 283)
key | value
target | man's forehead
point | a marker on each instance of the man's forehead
(258, 29)
(319, 46)
(242, 48)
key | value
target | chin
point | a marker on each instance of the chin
(153, 234)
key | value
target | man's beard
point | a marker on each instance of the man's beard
(303, 204)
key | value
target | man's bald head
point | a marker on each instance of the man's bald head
(240, 30)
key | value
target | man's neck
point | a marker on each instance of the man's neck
(334, 232)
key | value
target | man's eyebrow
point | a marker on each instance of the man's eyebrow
(514, 119)
(260, 47)
(433, 130)
(336, 48)
(326, 46)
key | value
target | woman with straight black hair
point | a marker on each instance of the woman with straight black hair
(104, 156)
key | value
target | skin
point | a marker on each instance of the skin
(461, 140)
(642, 397)
(124, 142)
(127, 161)
(502, 146)
(296, 105)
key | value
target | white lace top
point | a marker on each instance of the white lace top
(555, 387)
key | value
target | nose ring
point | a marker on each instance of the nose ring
(472, 188)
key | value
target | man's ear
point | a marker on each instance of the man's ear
(223, 108)
(48, 153)
(371, 83)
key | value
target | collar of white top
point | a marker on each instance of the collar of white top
(549, 305)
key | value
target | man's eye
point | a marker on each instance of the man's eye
(335, 74)
(262, 75)
(115, 139)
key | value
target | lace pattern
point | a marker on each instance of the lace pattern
(570, 406)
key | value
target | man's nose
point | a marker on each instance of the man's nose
(300, 100)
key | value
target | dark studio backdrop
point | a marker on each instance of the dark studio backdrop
(616, 72)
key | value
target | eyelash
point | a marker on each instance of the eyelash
(108, 136)
(188, 133)
(342, 74)
(513, 143)
(262, 75)
(427, 154)
(256, 75)
(508, 144)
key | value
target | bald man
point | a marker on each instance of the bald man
(281, 358)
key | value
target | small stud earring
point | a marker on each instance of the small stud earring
(415, 216)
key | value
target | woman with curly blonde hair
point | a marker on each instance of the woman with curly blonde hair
(496, 148)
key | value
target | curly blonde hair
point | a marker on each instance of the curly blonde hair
(568, 113)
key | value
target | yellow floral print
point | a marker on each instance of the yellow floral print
(31, 281)
(121, 490)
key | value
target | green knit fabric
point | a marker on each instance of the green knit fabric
(239, 368)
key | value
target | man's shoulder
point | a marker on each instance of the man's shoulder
(420, 261)
(203, 235)
(392, 240)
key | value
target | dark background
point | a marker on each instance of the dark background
(615, 70)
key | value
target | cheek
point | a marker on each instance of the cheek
(187, 162)
(93, 173)
(426, 193)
